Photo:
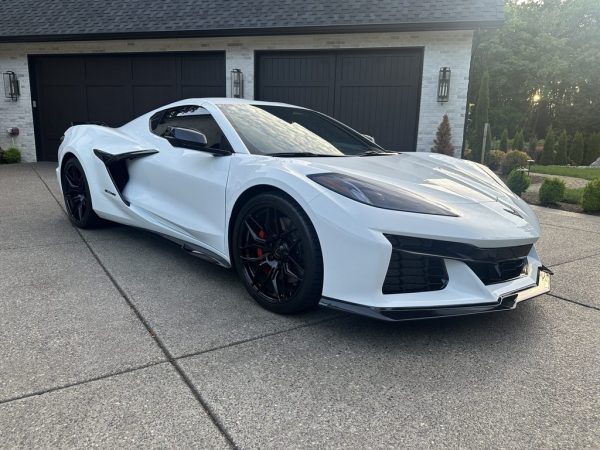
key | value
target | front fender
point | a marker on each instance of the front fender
(249, 171)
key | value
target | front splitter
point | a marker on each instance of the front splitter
(505, 303)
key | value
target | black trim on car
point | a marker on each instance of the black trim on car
(491, 265)
(404, 314)
(456, 250)
(117, 168)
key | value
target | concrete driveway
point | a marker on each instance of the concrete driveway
(116, 338)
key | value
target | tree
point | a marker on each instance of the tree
(481, 118)
(592, 149)
(547, 158)
(544, 67)
(443, 138)
(518, 141)
(560, 157)
(532, 148)
(504, 141)
(576, 155)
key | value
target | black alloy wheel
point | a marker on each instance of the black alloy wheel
(77, 196)
(277, 254)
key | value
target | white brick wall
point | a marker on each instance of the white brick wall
(451, 48)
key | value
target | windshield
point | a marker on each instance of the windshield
(287, 131)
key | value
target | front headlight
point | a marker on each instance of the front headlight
(379, 195)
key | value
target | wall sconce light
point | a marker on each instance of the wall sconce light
(237, 83)
(444, 85)
(11, 86)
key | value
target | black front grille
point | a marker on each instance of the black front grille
(409, 272)
(490, 273)
(417, 265)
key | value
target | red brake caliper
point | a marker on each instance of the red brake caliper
(262, 235)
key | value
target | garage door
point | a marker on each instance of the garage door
(376, 92)
(115, 88)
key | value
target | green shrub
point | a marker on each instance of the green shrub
(12, 155)
(518, 141)
(533, 143)
(468, 154)
(495, 159)
(514, 160)
(547, 156)
(560, 157)
(1, 154)
(573, 196)
(576, 153)
(518, 181)
(592, 149)
(552, 191)
(590, 200)
(504, 141)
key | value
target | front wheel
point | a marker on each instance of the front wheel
(277, 254)
(76, 192)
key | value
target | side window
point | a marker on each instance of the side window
(191, 117)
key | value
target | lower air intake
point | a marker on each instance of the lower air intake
(408, 273)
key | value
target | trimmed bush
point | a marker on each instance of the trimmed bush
(11, 156)
(576, 153)
(590, 200)
(592, 149)
(560, 157)
(443, 138)
(504, 141)
(532, 149)
(552, 191)
(518, 181)
(514, 160)
(495, 159)
(547, 156)
(518, 141)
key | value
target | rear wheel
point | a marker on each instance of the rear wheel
(76, 192)
(277, 254)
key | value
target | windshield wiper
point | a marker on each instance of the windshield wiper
(377, 153)
(303, 154)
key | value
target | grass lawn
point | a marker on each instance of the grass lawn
(573, 196)
(576, 172)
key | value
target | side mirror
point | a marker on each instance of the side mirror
(369, 138)
(192, 139)
(185, 138)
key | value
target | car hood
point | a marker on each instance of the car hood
(438, 178)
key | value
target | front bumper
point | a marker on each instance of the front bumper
(505, 302)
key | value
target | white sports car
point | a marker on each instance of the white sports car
(308, 210)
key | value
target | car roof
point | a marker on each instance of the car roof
(224, 101)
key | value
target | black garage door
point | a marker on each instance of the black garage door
(376, 92)
(115, 88)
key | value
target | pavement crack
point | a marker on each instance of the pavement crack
(553, 225)
(256, 338)
(575, 260)
(207, 409)
(79, 383)
(585, 305)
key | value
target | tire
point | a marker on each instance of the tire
(76, 194)
(277, 254)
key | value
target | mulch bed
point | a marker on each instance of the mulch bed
(533, 199)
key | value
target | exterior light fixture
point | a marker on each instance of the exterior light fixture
(237, 83)
(443, 93)
(11, 86)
